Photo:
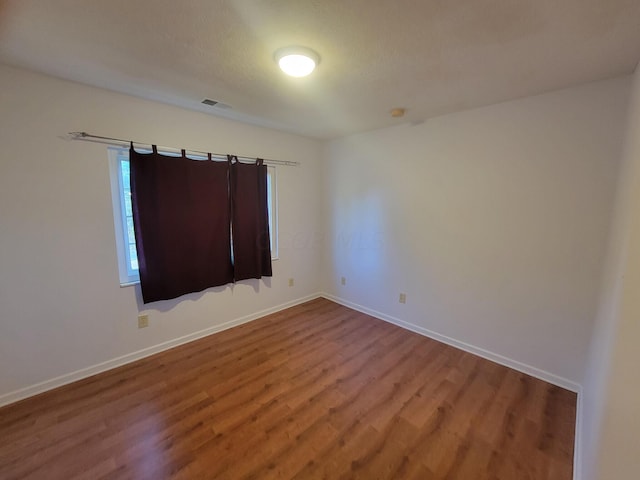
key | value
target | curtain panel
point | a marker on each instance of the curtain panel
(250, 220)
(198, 224)
(181, 213)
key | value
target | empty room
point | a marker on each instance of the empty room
(267, 239)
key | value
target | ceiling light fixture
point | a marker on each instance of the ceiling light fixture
(297, 61)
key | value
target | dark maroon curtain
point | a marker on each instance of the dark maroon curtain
(181, 214)
(250, 220)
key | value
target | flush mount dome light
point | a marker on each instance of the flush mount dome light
(297, 61)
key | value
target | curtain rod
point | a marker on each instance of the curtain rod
(119, 142)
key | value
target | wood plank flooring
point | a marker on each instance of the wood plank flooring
(317, 391)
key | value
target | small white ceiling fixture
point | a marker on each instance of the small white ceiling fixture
(297, 61)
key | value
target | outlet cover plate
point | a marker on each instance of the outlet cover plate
(143, 321)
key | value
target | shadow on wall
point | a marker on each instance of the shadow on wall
(168, 305)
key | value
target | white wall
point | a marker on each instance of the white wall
(61, 307)
(611, 413)
(492, 221)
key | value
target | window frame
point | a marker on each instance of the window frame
(128, 276)
(272, 205)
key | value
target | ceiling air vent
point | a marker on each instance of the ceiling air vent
(215, 103)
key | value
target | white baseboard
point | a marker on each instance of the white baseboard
(481, 352)
(65, 379)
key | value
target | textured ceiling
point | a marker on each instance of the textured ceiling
(430, 56)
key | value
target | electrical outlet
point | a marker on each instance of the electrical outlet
(291, 282)
(403, 298)
(343, 281)
(143, 321)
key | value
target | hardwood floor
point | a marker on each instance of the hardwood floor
(317, 391)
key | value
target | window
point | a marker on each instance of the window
(123, 215)
(272, 206)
